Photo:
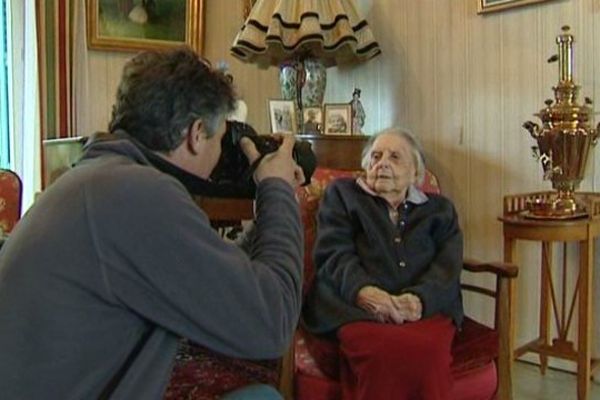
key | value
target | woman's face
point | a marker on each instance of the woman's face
(391, 166)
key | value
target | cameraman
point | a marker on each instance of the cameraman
(115, 261)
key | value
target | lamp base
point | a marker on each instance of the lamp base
(304, 81)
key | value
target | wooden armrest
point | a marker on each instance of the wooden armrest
(502, 269)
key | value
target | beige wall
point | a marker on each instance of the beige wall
(463, 82)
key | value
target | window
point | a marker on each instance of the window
(19, 95)
(5, 161)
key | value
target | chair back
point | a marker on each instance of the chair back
(337, 157)
(11, 190)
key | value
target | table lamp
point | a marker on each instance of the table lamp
(304, 37)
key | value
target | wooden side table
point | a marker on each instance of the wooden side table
(552, 304)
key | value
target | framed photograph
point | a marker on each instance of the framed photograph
(134, 25)
(484, 6)
(338, 119)
(312, 120)
(282, 114)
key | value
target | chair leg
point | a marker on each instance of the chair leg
(286, 373)
(505, 351)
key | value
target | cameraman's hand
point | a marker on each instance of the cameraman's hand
(249, 149)
(279, 164)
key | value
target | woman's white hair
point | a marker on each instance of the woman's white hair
(415, 147)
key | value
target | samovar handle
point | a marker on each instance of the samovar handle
(533, 128)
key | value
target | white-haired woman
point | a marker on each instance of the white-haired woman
(388, 261)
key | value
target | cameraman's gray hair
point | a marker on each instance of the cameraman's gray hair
(415, 147)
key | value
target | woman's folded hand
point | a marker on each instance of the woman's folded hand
(379, 303)
(409, 306)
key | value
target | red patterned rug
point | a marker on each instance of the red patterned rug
(201, 374)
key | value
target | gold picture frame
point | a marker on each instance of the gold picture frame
(486, 6)
(338, 119)
(134, 25)
(312, 120)
(282, 114)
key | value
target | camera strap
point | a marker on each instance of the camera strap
(249, 174)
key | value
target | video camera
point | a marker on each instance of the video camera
(233, 169)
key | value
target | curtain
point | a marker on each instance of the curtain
(57, 22)
(24, 116)
(55, 41)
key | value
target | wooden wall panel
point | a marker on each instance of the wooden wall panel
(449, 158)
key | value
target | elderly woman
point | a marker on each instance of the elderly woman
(388, 261)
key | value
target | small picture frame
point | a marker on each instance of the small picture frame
(282, 114)
(312, 120)
(338, 119)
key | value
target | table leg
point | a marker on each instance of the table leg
(584, 346)
(544, 301)
(505, 386)
(509, 256)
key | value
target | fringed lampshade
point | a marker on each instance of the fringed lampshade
(304, 37)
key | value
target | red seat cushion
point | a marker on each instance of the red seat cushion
(478, 384)
(474, 346)
(474, 349)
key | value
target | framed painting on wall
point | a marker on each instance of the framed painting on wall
(134, 25)
(484, 6)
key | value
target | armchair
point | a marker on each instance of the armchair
(481, 354)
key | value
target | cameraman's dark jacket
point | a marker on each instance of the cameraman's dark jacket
(116, 251)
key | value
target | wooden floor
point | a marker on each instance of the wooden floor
(529, 384)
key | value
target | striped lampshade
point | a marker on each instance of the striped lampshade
(329, 30)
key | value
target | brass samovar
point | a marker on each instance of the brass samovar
(564, 139)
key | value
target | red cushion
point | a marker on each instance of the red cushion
(10, 200)
(307, 387)
(317, 356)
(474, 371)
(430, 183)
(474, 348)
(478, 384)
